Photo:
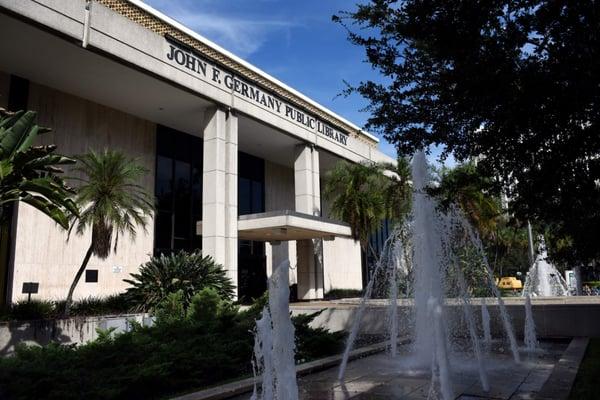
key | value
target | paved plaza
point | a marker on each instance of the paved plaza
(380, 377)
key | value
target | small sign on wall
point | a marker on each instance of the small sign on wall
(30, 288)
(117, 269)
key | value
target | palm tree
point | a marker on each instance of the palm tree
(398, 190)
(357, 194)
(465, 186)
(112, 202)
(30, 173)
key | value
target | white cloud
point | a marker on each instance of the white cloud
(241, 36)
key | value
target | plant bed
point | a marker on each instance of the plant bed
(45, 309)
(177, 355)
(337, 294)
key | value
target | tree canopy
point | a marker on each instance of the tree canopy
(504, 238)
(364, 194)
(32, 173)
(515, 84)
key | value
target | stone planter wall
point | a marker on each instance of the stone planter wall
(554, 318)
(75, 330)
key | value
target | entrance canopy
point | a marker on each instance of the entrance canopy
(284, 225)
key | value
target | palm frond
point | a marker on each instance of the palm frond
(30, 173)
(111, 199)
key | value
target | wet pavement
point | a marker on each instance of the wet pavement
(381, 377)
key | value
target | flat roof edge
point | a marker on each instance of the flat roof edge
(177, 25)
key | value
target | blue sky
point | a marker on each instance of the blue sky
(294, 41)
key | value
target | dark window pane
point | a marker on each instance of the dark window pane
(182, 147)
(257, 197)
(244, 196)
(163, 230)
(164, 141)
(91, 275)
(183, 199)
(251, 167)
(178, 189)
(18, 93)
(164, 180)
(197, 190)
(197, 242)
(181, 244)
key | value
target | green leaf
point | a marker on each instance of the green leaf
(48, 208)
(23, 130)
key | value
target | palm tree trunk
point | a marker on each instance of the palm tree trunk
(84, 264)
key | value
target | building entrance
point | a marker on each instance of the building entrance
(252, 270)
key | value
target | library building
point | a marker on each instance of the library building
(236, 159)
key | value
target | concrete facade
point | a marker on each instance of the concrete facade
(308, 200)
(43, 251)
(219, 188)
(111, 82)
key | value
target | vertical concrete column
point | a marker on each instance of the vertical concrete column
(308, 201)
(219, 189)
(303, 179)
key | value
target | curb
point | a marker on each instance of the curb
(247, 385)
(560, 382)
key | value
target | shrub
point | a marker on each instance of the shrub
(34, 309)
(153, 362)
(185, 272)
(113, 304)
(45, 309)
(205, 305)
(312, 343)
(335, 294)
(170, 309)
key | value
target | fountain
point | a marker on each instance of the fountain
(543, 279)
(393, 308)
(383, 262)
(262, 364)
(531, 343)
(274, 342)
(440, 368)
(432, 247)
(485, 321)
(429, 254)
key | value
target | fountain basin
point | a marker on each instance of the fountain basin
(554, 317)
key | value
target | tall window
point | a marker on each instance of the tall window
(251, 197)
(251, 184)
(252, 267)
(178, 190)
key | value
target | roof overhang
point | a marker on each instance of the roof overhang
(285, 225)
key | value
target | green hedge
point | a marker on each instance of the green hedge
(45, 309)
(175, 356)
(336, 294)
